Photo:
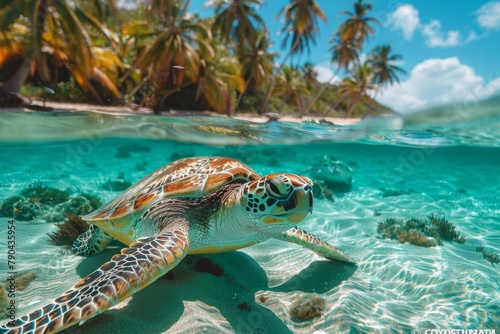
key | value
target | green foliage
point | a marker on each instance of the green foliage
(165, 57)
(68, 91)
(428, 232)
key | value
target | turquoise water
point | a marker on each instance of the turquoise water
(444, 162)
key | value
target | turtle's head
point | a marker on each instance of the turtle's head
(278, 198)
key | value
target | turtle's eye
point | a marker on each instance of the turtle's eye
(276, 188)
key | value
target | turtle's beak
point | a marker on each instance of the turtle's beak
(303, 199)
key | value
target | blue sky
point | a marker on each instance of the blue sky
(450, 49)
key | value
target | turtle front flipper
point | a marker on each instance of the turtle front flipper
(132, 270)
(312, 242)
(91, 242)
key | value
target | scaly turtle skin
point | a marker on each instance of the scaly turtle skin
(191, 206)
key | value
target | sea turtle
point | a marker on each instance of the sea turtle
(191, 206)
(334, 174)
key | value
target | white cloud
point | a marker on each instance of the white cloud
(434, 35)
(472, 36)
(325, 73)
(435, 82)
(488, 15)
(405, 18)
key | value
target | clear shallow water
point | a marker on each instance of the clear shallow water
(445, 161)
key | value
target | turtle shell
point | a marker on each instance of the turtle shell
(187, 178)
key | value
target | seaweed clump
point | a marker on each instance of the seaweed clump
(40, 193)
(7, 207)
(68, 231)
(419, 232)
(488, 256)
(307, 307)
(23, 279)
(38, 200)
(4, 302)
(206, 265)
(28, 209)
(94, 201)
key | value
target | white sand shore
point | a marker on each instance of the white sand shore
(145, 111)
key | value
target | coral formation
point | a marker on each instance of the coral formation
(28, 209)
(77, 205)
(38, 192)
(37, 201)
(489, 256)
(427, 233)
(7, 208)
(306, 307)
(94, 201)
(68, 231)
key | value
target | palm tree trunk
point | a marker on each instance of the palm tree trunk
(335, 106)
(240, 97)
(273, 79)
(370, 107)
(318, 95)
(353, 103)
(15, 82)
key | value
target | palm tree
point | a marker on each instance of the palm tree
(256, 64)
(385, 71)
(344, 54)
(36, 14)
(173, 59)
(355, 88)
(349, 40)
(384, 65)
(291, 86)
(358, 25)
(301, 25)
(218, 80)
(310, 76)
(237, 20)
(61, 27)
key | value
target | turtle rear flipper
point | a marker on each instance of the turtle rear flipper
(91, 242)
(318, 246)
(132, 270)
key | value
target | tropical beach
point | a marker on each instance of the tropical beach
(151, 55)
(249, 166)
